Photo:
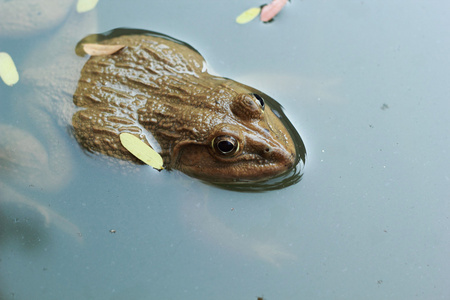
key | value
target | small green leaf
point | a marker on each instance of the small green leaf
(141, 150)
(8, 71)
(86, 5)
(248, 15)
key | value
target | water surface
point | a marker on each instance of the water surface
(366, 86)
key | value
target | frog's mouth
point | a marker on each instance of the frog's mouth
(260, 169)
(262, 160)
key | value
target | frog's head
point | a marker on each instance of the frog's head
(250, 143)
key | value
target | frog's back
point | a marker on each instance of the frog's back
(149, 82)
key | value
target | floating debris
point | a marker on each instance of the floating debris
(141, 150)
(248, 15)
(86, 5)
(267, 11)
(270, 10)
(8, 71)
(101, 50)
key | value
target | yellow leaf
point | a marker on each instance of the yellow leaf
(99, 50)
(248, 15)
(141, 150)
(8, 71)
(86, 5)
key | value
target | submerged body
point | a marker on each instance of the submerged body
(206, 126)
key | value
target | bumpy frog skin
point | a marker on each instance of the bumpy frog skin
(206, 126)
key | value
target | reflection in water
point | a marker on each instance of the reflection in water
(21, 227)
(203, 222)
(36, 16)
(25, 223)
(10, 197)
(37, 156)
(25, 160)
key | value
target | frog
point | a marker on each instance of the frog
(206, 126)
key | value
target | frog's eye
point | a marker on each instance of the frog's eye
(225, 145)
(260, 100)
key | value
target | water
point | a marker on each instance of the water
(366, 86)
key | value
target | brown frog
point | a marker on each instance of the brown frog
(208, 127)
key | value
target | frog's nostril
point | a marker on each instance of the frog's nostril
(289, 164)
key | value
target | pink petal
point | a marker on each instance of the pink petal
(99, 50)
(272, 9)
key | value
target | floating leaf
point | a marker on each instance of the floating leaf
(141, 150)
(8, 71)
(99, 50)
(86, 5)
(270, 10)
(248, 15)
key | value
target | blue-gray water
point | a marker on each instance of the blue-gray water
(366, 85)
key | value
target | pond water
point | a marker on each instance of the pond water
(365, 84)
